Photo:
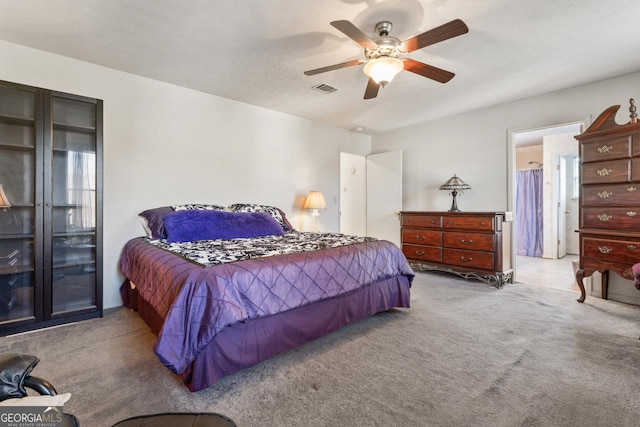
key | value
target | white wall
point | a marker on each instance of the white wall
(164, 144)
(474, 145)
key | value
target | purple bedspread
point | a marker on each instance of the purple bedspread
(196, 303)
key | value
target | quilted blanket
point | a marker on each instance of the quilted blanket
(196, 303)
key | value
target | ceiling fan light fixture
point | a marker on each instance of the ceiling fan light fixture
(383, 69)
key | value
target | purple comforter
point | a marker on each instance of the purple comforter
(196, 303)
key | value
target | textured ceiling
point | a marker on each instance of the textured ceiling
(255, 51)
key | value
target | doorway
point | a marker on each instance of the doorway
(371, 195)
(544, 197)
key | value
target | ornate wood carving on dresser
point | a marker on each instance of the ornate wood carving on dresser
(469, 244)
(609, 198)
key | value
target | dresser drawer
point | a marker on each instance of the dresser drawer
(635, 169)
(424, 221)
(471, 241)
(627, 251)
(611, 218)
(606, 172)
(635, 149)
(606, 149)
(422, 237)
(468, 259)
(611, 195)
(468, 222)
(422, 253)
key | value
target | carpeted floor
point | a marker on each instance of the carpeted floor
(465, 354)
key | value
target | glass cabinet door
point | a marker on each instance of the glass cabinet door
(50, 207)
(73, 205)
(18, 231)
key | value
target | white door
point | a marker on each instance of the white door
(353, 194)
(562, 206)
(384, 195)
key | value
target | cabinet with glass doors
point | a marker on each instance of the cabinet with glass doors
(50, 207)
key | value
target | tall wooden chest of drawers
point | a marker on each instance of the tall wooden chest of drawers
(469, 244)
(609, 199)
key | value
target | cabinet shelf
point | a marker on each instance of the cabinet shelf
(16, 269)
(16, 120)
(19, 236)
(74, 128)
(16, 147)
(87, 232)
(70, 205)
(22, 205)
(67, 150)
(74, 263)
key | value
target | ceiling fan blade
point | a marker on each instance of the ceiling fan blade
(355, 34)
(429, 71)
(444, 32)
(334, 67)
(372, 89)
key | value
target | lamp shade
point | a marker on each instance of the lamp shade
(315, 200)
(4, 201)
(455, 183)
(383, 69)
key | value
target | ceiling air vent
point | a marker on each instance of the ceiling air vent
(323, 87)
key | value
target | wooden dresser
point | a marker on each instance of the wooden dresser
(609, 199)
(469, 244)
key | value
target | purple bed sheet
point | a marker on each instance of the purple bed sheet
(196, 303)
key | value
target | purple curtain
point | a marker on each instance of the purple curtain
(529, 212)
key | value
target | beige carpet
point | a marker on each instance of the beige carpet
(465, 354)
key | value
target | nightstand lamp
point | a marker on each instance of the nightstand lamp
(455, 184)
(315, 201)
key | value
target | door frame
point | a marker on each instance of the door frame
(511, 177)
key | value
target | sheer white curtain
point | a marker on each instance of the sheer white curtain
(81, 173)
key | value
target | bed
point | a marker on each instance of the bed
(225, 303)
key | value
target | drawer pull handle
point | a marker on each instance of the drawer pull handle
(604, 217)
(605, 149)
(605, 249)
(482, 223)
(631, 247)
(605, 194)
(433, 221)
(420, 237)
(465, 259)
(631, 189)
(631, 213)
(467, 242)
(420, 253)
(604, 172)
(450, 222)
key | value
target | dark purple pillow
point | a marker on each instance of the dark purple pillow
(155, 221)
(190, 225)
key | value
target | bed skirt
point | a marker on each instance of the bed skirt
(248, 343)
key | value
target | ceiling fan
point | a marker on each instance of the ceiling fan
(384, 53)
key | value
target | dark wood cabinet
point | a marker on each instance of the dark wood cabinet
(50, 207)
(610, 199)
(469, 244)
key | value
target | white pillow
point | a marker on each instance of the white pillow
(57, 400)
